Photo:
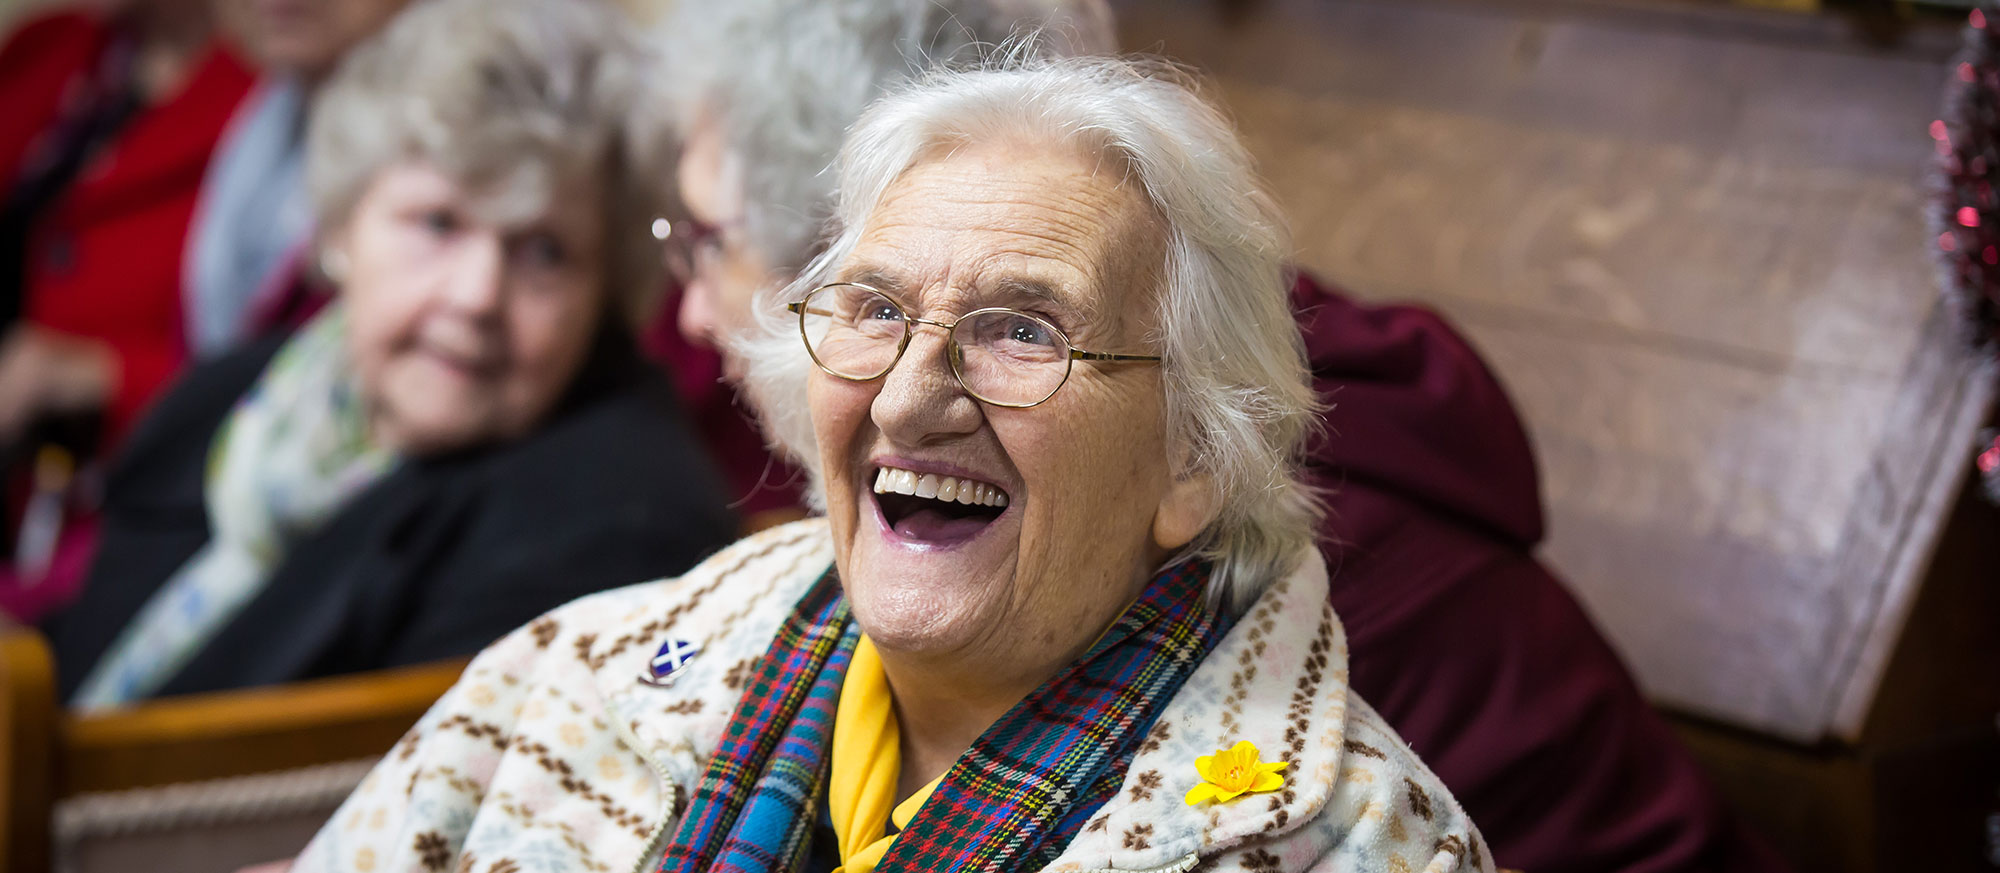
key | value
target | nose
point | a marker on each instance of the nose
(921, 402)
(697, 313)
(474, 286)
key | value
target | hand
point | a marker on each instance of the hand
(45, 373)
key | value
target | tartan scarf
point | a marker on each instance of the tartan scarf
(1012, 802)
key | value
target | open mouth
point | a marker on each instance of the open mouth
(935, 509)
(476, 367)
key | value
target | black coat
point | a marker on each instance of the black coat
(438, 559)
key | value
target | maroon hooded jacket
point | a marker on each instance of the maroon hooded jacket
(1465, 643)
(1456, 634)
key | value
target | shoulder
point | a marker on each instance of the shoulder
(623, 471)
(39, 60)
(551, 712)
(214, 385)
(586, 635)
(625, 440)
(722, 605)
(52, 34)
(185, 416)
(776, 561)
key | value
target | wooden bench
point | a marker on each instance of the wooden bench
(205, 781)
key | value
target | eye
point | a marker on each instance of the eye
(1013, 336)
(439, 221)
(541, 250)
(1029, 332)
(875, 316)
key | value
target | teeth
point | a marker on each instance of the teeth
(890, 480)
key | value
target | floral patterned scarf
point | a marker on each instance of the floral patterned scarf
(292, 453)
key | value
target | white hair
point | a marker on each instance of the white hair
(1239, 400)
(518, 99)
(785, 78)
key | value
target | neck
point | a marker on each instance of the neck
(169, 40)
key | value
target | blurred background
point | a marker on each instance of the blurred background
(1700, 242)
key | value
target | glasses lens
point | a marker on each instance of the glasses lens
(1011, 358)
(679, 265)
(852, 331)
(693, 248)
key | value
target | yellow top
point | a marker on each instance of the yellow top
(867, 759)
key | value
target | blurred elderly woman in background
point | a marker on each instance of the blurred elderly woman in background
(1064, 611)
(467, 437)
(1471, 648)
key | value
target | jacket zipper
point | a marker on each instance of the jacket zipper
(666, 787)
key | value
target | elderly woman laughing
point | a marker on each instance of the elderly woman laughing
(1064, 611)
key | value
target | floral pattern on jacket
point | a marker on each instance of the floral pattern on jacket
(550, 755)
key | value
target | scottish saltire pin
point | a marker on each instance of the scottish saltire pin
(667, 663)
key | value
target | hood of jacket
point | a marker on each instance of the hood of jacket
(1417, 418)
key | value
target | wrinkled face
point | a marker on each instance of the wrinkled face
(1090, 506)
(725, 274)
(310, 36)
(466, 330)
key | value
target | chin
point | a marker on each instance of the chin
(420, 434)
(912, 620)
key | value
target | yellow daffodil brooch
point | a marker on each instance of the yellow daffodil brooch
(1232, 772)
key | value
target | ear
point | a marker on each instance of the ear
(332, 259)
(1185, 511)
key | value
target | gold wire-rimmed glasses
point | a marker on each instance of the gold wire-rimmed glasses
(1001, 356)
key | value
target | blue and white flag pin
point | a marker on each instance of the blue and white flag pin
(667, 663)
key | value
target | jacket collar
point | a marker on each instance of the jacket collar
(1275, 680)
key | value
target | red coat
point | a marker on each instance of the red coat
(104, 260)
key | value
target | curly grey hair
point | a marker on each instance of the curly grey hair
(1240, 404)
(785, 78)
(516, 98)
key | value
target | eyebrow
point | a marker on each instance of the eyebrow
(1023, 287)
(875, 277)
(882, 279)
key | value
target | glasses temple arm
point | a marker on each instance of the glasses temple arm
(1081, 355)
